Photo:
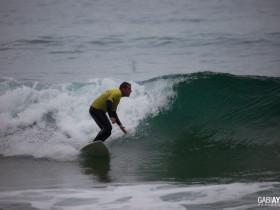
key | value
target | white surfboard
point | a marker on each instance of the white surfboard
(97, 148)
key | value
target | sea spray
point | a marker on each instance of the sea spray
(52, 121)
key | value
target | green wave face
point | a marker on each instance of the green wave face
(217, 125)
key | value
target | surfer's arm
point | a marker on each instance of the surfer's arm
(117, 118)
(112, 114)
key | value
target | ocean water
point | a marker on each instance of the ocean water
(203, 119)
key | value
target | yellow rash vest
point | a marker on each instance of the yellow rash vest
(113, 95)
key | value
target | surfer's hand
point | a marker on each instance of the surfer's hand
(123, 129)
(113, 120)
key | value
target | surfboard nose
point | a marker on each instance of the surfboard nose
(96, 148)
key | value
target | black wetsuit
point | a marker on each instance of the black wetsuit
(103, 121)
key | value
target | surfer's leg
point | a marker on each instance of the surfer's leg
(103, 122)
(106, 127)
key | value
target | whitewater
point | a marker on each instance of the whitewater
(58, 117)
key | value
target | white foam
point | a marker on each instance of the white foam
(144, 196)
(53, 121)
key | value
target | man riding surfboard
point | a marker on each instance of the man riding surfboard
(108, 102)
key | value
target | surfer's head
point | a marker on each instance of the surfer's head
(125, 88)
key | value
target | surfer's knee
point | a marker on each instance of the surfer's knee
(108, 128)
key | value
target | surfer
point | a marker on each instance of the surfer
(108, 102)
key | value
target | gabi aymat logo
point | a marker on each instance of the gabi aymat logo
(269, 201)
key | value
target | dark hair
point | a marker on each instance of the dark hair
(124, 85)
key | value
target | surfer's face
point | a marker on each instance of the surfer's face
(126, 91)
